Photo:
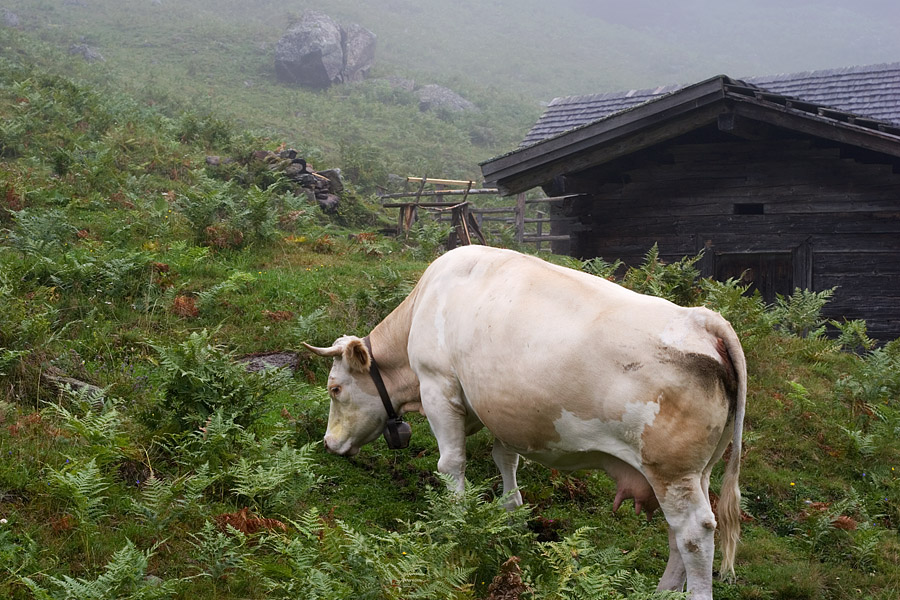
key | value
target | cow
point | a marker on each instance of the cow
(564, 368)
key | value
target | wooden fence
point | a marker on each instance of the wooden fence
(467, 219)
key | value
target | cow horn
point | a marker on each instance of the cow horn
(326, 352)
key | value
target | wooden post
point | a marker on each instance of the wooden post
(461, 223)
(540, 229)
(476, 228)
(520, 218)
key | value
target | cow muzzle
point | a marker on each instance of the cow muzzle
(345, 449)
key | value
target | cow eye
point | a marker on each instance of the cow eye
(335, 390)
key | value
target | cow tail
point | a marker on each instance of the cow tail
(729, 507)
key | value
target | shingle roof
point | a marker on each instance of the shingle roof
(872, 91)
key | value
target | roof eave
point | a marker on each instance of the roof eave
(670, 116)
(686, 109)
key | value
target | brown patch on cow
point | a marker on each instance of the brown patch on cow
(729, 373)
(682, 438)
(632, 366)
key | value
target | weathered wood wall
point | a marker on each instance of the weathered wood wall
(836, 216)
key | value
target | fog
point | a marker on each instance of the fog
(583, 46)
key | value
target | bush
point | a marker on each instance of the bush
(201, 377)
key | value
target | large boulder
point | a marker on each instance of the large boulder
(311, 53)
(317, 52)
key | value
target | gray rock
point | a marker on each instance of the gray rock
(334, 179)
(433, 97)
(317, 52)
(359, 53)
(311, 52)
(328, 202)
(271, 360)
(89, 54)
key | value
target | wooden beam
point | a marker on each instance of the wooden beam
(426, 193)
(460, 182)
(546, 238)
(821, 127)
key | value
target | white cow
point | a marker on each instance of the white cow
(566, 369)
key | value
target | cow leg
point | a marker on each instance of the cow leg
(674, 577)
(446, 416)
(508, 462)
(691, 520)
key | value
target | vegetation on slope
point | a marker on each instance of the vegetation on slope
(182, 475)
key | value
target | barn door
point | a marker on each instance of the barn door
(769, 272)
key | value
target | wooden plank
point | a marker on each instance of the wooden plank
(497, 210)
(460, 182)
(520, 217)
(427, 193)
(546, 238)
(421, 204)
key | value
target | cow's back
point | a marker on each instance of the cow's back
(556, 361)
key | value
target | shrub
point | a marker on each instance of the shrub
(676, 282)
(124, 578)
(201, 377)
(800, 314)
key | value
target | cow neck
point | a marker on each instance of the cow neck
(375, 374)
(396, 432)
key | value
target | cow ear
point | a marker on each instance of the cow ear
(326, 352)
(356, 356)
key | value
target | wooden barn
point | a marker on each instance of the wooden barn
(789, 181)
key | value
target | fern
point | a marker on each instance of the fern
(101, 430)
(218, 553)
(276, 479)
(201, 378)
(123, 578)
(852, 335)
(308, 327)
(862, 443)
(575, 568)
(800, 314)
(676, 282)
(163, 502)
(320, 562)
(235, 282)
(82, 488)
(601, 268)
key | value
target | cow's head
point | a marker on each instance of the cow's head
(357, 415)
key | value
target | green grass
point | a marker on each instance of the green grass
(103, 275)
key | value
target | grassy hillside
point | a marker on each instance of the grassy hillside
(218, 57)
(120, 268)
